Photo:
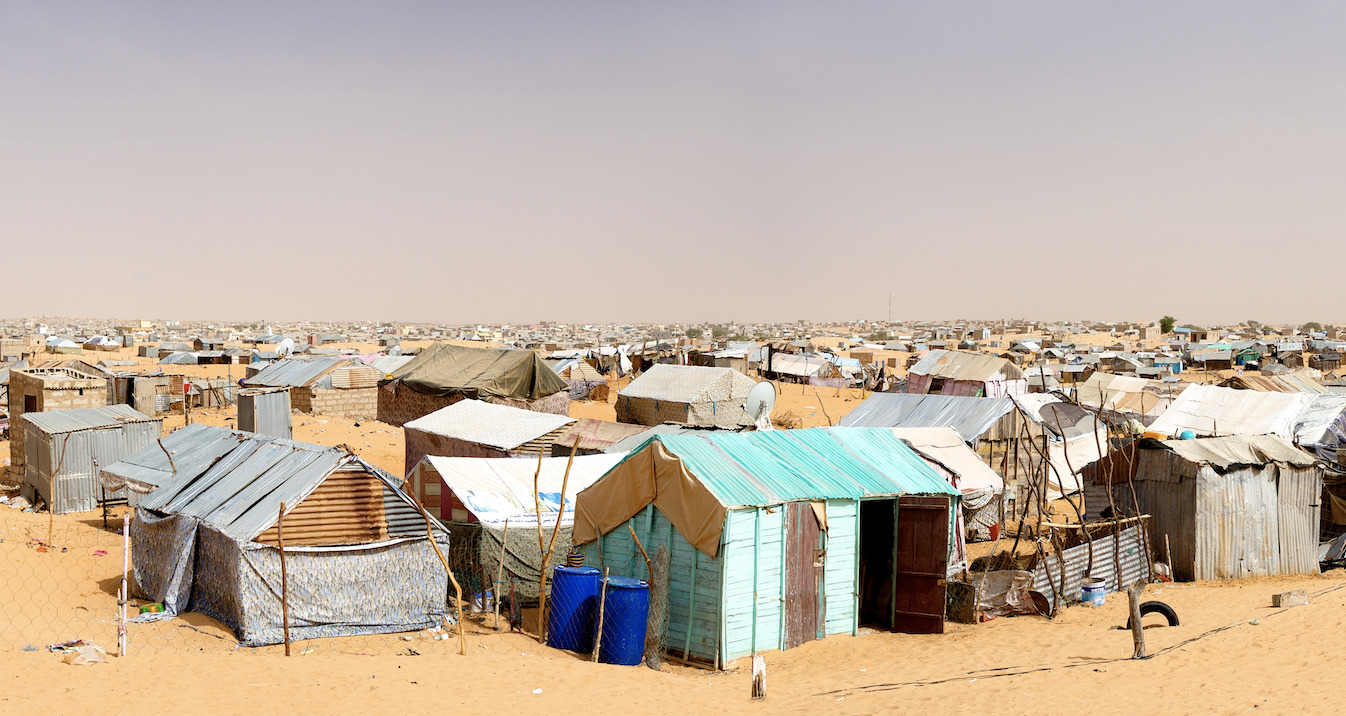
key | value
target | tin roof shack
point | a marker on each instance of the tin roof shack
(33, 390)
(333, 385)
(1122, 398)
(943, 372)
(444, 374)
(204, 538)
(472, 428)
(265, 411)
(65, 447)
(778, 537)
(691, 395)
(474, 497)
(1231, 507)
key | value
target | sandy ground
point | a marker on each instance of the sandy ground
(1232, 652)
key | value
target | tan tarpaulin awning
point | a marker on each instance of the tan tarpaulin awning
(652, 475)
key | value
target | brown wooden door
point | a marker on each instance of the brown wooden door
(920, 566)
(803, 574)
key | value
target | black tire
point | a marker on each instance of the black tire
(1157, 608)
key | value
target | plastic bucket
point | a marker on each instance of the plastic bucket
(1093, 590)
(625, 613)
(572, 608)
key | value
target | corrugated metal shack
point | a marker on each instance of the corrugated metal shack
(777, 537)
(204, 539)
(1231, 507)
(265, 411)
(334, 385)
(42, 389)
(64, 447)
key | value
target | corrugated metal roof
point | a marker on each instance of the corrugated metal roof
(770, 467)
(389, 364)
(54, 422)
(1239, 450)
(499, 426)
(232, 480)
(686, 383)
(969, 416)
(295, 372)
(963, 365)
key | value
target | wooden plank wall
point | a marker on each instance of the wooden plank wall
(687, 566)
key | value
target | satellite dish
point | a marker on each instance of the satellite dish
(761, 399)
(285, 347)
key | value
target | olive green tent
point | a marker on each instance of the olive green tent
(483, 373)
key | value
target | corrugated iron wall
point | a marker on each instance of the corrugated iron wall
(1298, 494)
(1118, 559)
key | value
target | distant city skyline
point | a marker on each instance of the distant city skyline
(514, 162)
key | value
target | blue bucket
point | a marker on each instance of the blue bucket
(1093, 591)
(572, 608)
(626, 611)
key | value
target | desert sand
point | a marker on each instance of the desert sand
(1232, 651)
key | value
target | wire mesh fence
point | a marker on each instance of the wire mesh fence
(60, 578)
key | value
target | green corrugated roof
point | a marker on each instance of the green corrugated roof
(766, 468)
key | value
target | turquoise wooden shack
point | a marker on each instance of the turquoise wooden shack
(776, 538)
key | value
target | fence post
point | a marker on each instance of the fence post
(124, 595)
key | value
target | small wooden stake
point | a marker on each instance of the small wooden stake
(602, 602)
(284, 580)
(758, 677)
(1137, 629)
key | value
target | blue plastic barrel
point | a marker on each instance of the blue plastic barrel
(573, 607)
(625, 612)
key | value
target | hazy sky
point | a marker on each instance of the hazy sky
(678, 161)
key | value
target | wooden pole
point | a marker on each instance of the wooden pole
(500, 573)
(124, 594)
(1137, 629)
(602, 604)
(546, 554)
(284, 581)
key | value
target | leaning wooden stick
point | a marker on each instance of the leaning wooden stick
(648, 564)
(284, 582)
(546, 554)
(457, 588)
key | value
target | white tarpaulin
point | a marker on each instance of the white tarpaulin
(496, 489)
(945, 446)
(1209, 410)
